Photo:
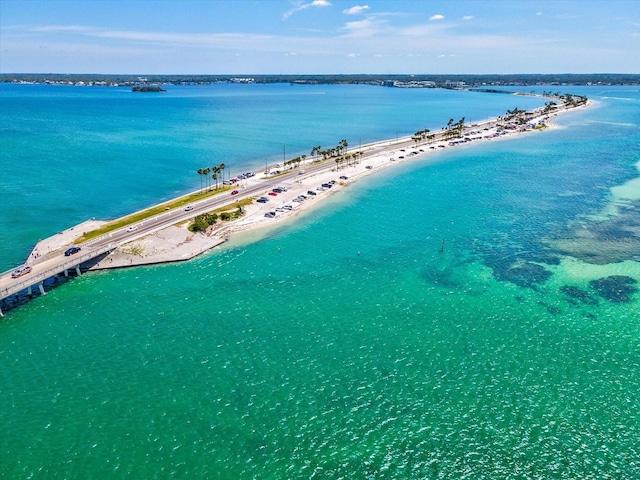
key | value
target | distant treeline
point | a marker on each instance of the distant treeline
(373, 79)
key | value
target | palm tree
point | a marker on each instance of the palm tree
(206, 174)
(222, 167)
(316, 150)
(200, 175)
(215, 176)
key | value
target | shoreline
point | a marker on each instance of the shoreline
(176, 243)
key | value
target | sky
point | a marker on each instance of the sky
(244, 37)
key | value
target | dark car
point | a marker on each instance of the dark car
(235, 192)
(262, 200)
(311, 192)
(70, 251)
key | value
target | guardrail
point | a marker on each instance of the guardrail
(16, 285)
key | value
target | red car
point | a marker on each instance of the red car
(273, 194)
(235, 192)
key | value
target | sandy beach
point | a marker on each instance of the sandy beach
(176, 243)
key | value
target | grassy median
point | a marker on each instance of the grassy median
(179, 202)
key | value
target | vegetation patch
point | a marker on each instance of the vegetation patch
(616, 288)
(180, 202)
(135, 250)
(523, 274)
(578, 294)
(202, 222)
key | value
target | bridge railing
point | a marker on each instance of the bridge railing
(18, 285)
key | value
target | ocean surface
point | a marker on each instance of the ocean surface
(345, 344)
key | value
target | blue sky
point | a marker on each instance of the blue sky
(319, 36)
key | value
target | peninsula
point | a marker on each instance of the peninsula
(162, 233)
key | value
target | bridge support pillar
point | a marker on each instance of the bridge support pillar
(78, 270)
(29, 292)
(66, 272)
(41, 288)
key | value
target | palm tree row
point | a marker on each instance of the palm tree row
(421, 135)
(330, 152)
(216, 169)
(295, 162)
(350, 158)
(454, 129)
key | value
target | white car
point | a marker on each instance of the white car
(132, 228)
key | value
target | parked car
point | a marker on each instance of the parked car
(262, 200)
(343, 177)
(71, 251)
(311, 192)
(270, 214)
(273, 194)
(21, 271)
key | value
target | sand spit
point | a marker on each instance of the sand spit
(176, 243)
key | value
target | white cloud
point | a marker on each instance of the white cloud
(436, 17)
(467, 17)
(352, 55)
(315, 3)
(364, 28)
(355, 10)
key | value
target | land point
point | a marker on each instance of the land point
(161, 234)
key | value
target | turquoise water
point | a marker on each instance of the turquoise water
(345, 345)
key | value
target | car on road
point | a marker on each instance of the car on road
(311, 192)
(235, 192)
(132, 228)
(71, 251)
(273, 194)
(262, 200)
(343, 177)
(21, 271)
(188, 208)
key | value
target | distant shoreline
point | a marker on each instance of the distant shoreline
(453, 81)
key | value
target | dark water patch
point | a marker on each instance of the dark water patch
(439, 276)
(590, 316)
(612, 240)
(575, 293)
(552, 309)
(523, 274)
(616, 288)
